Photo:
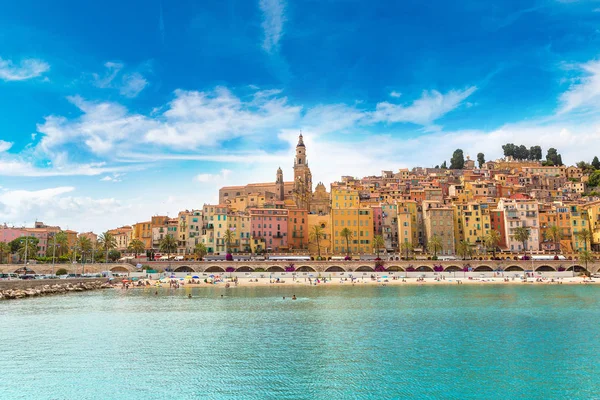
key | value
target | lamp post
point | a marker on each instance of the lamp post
(53, 251)
(26, 250)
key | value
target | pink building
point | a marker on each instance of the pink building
(9, 234)
(270, 224)
(377, 219)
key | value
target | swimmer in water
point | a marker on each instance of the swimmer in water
(189, 296)
(294, 297)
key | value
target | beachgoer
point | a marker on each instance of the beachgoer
(294, 297)
(189, 296)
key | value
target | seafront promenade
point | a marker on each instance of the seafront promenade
(423, 266)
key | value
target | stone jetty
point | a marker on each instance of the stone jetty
(20, 289)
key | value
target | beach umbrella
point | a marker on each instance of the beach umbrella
(196, 277)
(188, 277)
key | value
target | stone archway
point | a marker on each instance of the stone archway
(25, 271)
(305, 268)
(394, 268)
(184, 268)
(513, 268)
(545, 268)
(245, 268)
(275, 268)
(578, 268)
(335, 268)
(119, 270)
(214, 268)
(483, 268)
(453, 268)
(424, 268)
(364, 268)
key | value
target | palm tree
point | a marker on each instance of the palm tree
(228, 237)
(4, 250)
(522, 234)
(84, 245)
(553, 234)
(406, 247)
(585, 256)
(200, 250)
(434, 245)
(464, 249)
(136, 246)
(107, 242)
(491, 240)
(584, 235)
(347, 234)
(58, 246)
(378, 243)
(168, 245)
(316, 234)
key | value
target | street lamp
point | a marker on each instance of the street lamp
(25, 258)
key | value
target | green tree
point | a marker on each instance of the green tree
(480, 159)
(535, 153)
(491, 241)
(4, 251)
(596, 162)
(347, 235)
(434, 245)
(522, 234)
(406, 248)
(107, 242)
(521, 153)
(509, 150)
(586, 257)
(554, 157)
(58, 245)
(378, 243)
(200, 250)
(168, 245)
(316, 235)
(584, 235)
(553, 234)
(136, 246)
(83, 246)
(444, 165)
(594, 179)
(458, 160)
(464, 249)
(229, 237)
(61, 271)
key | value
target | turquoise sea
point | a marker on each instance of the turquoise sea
(420, 342)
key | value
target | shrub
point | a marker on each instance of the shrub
(347, 258)
(228, 257)
(555, 257)
(438, 268)
(229, 269)
(379, 268)
(561, 269)
(290, 268)
(61, 271)
(434, 258)
(410, 269)
(259, 269)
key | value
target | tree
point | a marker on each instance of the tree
(434, 245)
(596, 162)
(378, 243)
(4, 251)
(458, 160)
(521, 153)
(347, 235)
(315, 235)
(83, 246)
(554, 157)
(407, 248)
(464, 249)
(480, 159)
(58, 245)
(586, 257)
(107, 242)
(19, 245)
(61, 271)
(136, 246)
(594, 179)
(535, 153)
(509, 150)
(522, 234)
(491, 240)
(586, 168)
(444, 165)
(114, 255)
(168, 245)
(200, 250)
(553, 234)
(584, 235)
(228, 237)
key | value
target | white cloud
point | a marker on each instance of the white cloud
(133, 84)
(425, 110)
(26, 69)
(4, 146)
(273, 20)
(584, 92)
(393, 93)
(220, 177)
(105, 80)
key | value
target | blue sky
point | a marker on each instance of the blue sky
(114, 111)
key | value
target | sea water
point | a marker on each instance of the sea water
(346, 342)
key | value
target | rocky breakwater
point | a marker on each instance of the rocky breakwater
(18, 290)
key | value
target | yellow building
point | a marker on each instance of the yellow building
(143, 231)
(239, 224)
(593, 214)
(471, 222)
(214, 225)
(408, 226)
(360, 222)
(324, 221)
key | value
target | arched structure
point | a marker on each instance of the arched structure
(275, 268)
(578, 268)
(335, 268)
(245, 268)
(545, 268)
(184, 268)
(453, 268)
(305, 268)
(514, 268)
(483, 268)
(214, 268)
(394, 268)
(424, 268)
(119, 269)
(364, 268)
(25, 271)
